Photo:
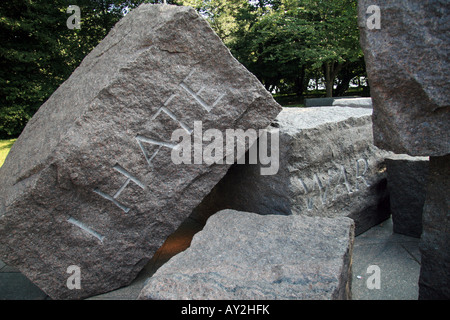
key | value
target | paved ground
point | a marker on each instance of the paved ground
(397, 258)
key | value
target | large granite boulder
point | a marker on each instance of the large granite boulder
(408, 65)
(260, 257)
(328, 167)
(89, 189)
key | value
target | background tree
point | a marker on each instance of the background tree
(336, 41)
(285, 43)
(350, 71)
(275, 49)
(222, 15)
(39, 52)
(31, 64)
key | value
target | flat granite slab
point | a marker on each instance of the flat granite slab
(245, 256)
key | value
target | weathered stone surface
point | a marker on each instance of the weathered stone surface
(408, 66)
(434, 281)
(260, 257)
(89, 182)
(407, 178)
(328, 167)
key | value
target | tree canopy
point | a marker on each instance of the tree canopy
(39, 51)
(285, 43)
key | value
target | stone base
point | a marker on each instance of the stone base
(407, 189)
(242, 256)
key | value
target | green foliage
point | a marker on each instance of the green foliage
(221, 14)
(30, 66)
(97, 19)
(287, 42)
(275, 48)
(336, 42)
(39, 52)
(12, 120)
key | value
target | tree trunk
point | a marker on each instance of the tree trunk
(331, 70)
(329, 88)
(300, 82)
(344, 85)
(328, 80)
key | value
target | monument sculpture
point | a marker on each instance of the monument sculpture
(328, 167)
(89, 189)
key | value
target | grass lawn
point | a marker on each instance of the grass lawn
(5, 146)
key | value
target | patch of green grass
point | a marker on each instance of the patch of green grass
(5, 146)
